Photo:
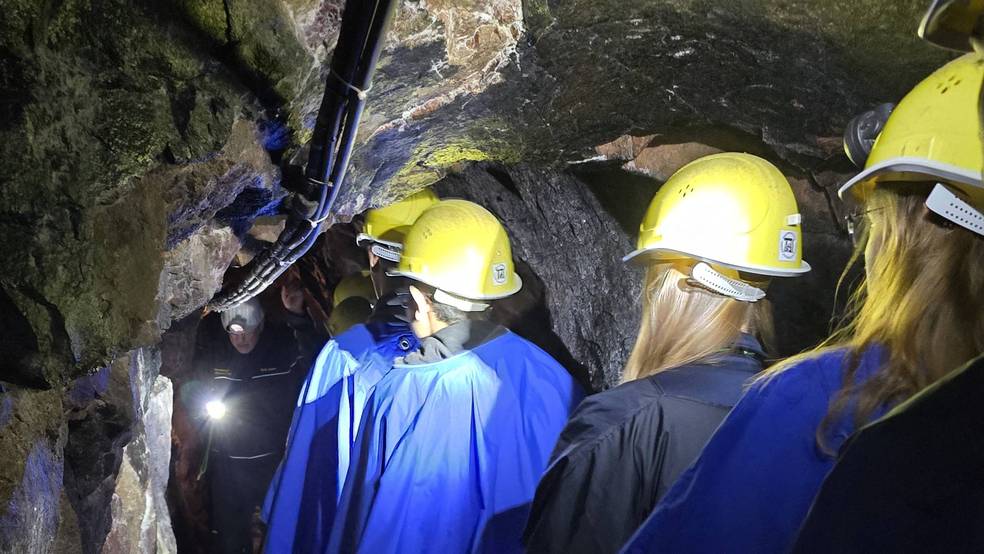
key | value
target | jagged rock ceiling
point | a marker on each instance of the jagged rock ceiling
(127, 127)
(141, 139)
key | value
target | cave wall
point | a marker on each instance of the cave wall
(141, 139)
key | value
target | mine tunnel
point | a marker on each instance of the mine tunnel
(195, 249)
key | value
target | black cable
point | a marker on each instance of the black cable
(360, 42)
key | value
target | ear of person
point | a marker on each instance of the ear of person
(422, 305)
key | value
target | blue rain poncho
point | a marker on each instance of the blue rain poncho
(450, 452)
(301, 500)
(752, 485)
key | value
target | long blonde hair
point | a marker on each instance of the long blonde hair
(922, 301)
(682, 324)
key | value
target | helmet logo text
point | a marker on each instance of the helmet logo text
(787, 246)
(499, 274)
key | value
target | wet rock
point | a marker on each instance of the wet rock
(193, 271)
(100, 425)
(69, 536)
(118, 454)
(32, 436)
(31, 519)
(141, 522)
(187, 495)
(585, 73)
(239, 181)
(127, 137)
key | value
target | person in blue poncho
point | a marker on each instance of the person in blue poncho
(919, 315)
(456, 435)
(300, 503)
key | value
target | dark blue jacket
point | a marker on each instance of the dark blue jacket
(751, 487)
(623, 448)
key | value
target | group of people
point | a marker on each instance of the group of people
(428, 427)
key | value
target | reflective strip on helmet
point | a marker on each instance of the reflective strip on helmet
(715, 281)
(949, 206)
(457, 302)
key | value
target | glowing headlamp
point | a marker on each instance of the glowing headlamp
(216, 409)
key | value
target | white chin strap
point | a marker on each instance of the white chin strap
(713, 280)
(458, 302)
(950, 207)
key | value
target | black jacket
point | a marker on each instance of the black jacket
(259, 390)
(912, 481)
(623, 448)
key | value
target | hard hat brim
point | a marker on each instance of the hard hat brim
(641, 254)
(913, 167)
(424, 280)
(942, 25)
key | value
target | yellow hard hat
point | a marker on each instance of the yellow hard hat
(731, 209)
(352, 311)
(388, 225)
(460, 249)
(953, 24)
(356, 284)
(934, 134)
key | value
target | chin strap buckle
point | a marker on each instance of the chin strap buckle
(952, 208)
(714, 281)
(389, 254)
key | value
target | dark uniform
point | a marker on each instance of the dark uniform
(910, 482)
(623, 448)
(259, 390)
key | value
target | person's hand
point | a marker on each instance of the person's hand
(293, 298)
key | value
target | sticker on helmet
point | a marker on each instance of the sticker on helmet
(787, 246)
(499, 274)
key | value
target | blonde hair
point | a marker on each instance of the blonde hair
(922, 301)
(682, 324)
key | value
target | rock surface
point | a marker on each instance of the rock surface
(32, 436)
(141, 523)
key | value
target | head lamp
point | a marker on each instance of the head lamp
(216, 409)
